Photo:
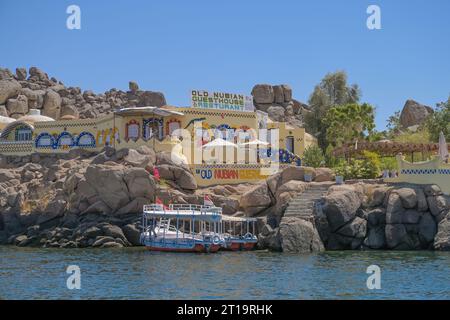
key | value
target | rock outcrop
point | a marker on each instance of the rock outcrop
(414, 113)
(19, 94)
(81, 199)
(380, 217)
(277, 101)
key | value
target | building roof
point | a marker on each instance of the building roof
(32, 118)
(4, 121)
(136, 111)
(11, 126)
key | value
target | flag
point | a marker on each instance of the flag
(159, 201)
(156, 174)
(207, 201)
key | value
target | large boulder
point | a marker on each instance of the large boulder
(324, 174)
(52, 104)
(442, 238)
(263, 93)
(137, 159)
(287, 92)
(427, 228)
(18, 106)
(376, 238)
(438, 206)
(182, 177)
(69, 110)
(394, 210)
(278, 94)
(139, 183)
(133, 234)
(151, 98)
(256, 199)
(408, 197)
(340, 207)
(298, 235)
(38, 74)
(414, 113)
(269, 238)
(5, 74)
(21, 74)
(276, 113)
(296, 173)
(397, 236)
(109, 185)
(8, 89)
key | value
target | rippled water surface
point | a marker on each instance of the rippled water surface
(134, 273)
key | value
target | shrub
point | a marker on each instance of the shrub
(367, 168)
(313, 157)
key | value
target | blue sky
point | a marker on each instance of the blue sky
(175, 46)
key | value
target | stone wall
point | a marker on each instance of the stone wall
(364, 216)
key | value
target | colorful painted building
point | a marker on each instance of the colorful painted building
(159, 128)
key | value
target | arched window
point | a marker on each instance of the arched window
(172, 125)
(86, 139)
(23, 133)
(45, 140)
(153, 127)
(64, 140)
(132, 130)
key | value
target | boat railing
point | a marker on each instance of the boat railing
(183, 207)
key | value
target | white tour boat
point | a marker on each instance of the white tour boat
(238, 233)
(182, 228)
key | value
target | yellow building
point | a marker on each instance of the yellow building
(178, 130)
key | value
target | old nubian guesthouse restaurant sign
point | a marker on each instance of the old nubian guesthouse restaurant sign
(221, 101)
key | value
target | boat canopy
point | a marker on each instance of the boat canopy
(184, 211)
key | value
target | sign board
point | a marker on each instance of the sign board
(221, 101)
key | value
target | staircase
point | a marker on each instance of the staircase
(302, 206)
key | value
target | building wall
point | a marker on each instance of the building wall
(428, 172)
(94, 134)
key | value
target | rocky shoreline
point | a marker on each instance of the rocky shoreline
(95, 200)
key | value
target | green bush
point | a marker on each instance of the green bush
(367, 168)
(313, 157)
(389, 163)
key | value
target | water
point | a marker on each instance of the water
(133, 273)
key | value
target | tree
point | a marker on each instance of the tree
(313, 157)
(349, 122)
(439, 121)
(332, 91)
(393, 123)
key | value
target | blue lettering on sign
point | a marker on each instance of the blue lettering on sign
(206, 174)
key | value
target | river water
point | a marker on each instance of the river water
(133, 273)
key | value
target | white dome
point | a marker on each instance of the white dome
(32, 118)
(4, 121)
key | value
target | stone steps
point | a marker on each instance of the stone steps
(302, 206)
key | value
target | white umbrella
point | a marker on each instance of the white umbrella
(219, 142)
(443, 149)
(255, 142)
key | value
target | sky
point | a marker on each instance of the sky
(177, 46)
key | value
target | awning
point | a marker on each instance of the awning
(136, 111)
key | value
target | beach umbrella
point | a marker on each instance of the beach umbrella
(255, 143)
(219, 142)
(443, 149)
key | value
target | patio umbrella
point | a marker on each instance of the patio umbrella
(255, 142)
(219, 142)
(443, 148)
